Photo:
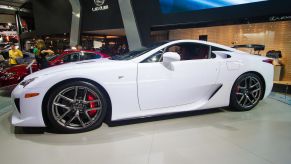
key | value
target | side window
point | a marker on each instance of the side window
(187, 51)
(71, 58)
(66, 58)
(190, 51)
(156, 57)
(213, 48)
(88, 56)
(75, 57)
(217, 49)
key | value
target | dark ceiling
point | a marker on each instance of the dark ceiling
(12, 3)
(10, 6)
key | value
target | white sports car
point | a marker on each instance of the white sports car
(168, 77)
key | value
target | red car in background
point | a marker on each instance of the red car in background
(15, 74)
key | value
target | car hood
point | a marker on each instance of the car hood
(73, 66)
(15, 69)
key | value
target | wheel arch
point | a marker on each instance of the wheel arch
(103, 90)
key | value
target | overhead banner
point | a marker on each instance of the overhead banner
(174, 6)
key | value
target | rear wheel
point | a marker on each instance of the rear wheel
(246, 92)
(76, 107)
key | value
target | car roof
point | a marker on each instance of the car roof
(67, 52)
(227, 48)
(70, 51)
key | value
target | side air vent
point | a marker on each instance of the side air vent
(218, 88)
(17, 104)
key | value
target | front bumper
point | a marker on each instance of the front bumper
(27, 112)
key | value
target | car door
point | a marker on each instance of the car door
(186, 82)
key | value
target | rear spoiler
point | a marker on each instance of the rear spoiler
(256, 47)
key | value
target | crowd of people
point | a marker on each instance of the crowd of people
(41, 52)
(114, 49)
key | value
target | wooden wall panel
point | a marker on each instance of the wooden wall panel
(274, 35)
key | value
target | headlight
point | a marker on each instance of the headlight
(26, 82)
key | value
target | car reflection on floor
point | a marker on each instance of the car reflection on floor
(5, 93)
(238, 136)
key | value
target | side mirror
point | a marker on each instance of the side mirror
(169, 57)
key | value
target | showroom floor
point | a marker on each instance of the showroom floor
(262, 135)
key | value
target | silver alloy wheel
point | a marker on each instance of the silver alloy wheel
(248, 92)
(72, 108)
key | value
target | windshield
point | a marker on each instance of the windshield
(136, 53)
(52, 57)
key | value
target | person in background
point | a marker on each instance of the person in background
(123, 49)
(41, 54)
(118, 50)
(43, 60)
(39, 44)
(14, 54)
(34, 50)
(79, 47)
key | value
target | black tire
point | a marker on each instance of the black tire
(245, 99)
(75, 109)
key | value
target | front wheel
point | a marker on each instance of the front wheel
(246, 92)
(76, 107)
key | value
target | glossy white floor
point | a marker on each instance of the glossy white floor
(262, 135)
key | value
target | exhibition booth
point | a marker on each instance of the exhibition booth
(145, 81)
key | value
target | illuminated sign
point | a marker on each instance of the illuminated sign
(100, 5)
(174, 6)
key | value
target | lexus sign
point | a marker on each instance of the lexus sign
(100, 5)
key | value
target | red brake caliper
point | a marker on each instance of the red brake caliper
(92, 113)
(237, 89)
